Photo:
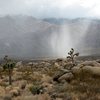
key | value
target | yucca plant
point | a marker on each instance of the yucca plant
(8, 68)
(71, 56)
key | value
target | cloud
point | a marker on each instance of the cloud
(51, 8)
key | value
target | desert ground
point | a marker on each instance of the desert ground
(54, 79)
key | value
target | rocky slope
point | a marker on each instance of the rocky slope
(52, 80)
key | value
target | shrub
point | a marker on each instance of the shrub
(36, 89)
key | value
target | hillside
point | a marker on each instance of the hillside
(26, 36)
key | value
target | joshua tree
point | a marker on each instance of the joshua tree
(8, 67)
(71, 56)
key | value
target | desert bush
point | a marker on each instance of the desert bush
(36, 89)
(32, 77)
(51, 72)
(91, 88)
(26, 70)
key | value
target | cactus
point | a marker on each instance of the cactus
(8, 67)
(71, 56)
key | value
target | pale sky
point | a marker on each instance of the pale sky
(51, 8)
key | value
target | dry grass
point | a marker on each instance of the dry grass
(87, 90)
(51, 72)
(83, 87)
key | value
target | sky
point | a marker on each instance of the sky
(51, 8)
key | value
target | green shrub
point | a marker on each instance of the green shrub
(36, 89)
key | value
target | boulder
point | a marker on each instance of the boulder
(98, 60)
(86, 70)
(76, 70)
(91, 63)
(92, 70)
(60, 73)
(68, 77)
(59, 60)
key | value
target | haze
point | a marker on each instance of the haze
(49, 28)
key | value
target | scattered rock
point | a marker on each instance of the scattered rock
(55, 88)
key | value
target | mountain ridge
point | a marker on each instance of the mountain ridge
(26, 36)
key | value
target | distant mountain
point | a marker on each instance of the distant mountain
(61, 21)
(56, 20)
(26, 36)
